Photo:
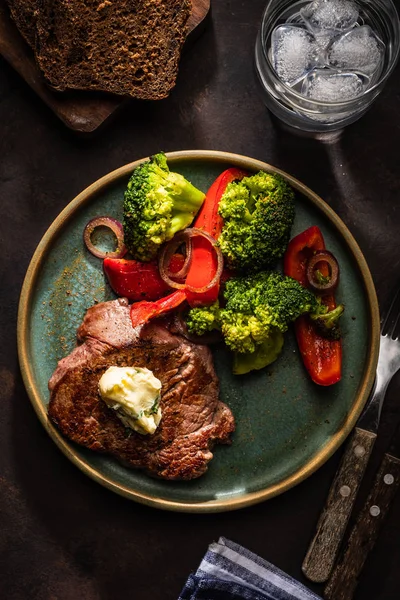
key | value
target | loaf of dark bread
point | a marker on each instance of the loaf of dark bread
(127, 47)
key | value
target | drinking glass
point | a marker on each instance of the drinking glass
(288, 102)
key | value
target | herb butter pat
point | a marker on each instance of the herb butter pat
(134, 393)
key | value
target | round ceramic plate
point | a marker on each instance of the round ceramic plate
(287, 426)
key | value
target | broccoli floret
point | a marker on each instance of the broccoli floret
(259, 304)
(257, 311)
(263, 355)
(203, 319)
(327, 323)
(258, 214)
(157, 204)
(242, 332)
(256, 307)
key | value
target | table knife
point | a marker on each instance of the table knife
(364, 534)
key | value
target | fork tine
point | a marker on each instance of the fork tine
(391, 318)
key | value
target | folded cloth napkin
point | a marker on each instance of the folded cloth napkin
(230, 572)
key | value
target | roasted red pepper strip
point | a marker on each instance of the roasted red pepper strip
(137, 280)
(202, 269)
(142, 312)
(208, 218)
(204, 261)
(322, 357)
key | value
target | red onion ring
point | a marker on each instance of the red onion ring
(220, 262)
(321, 287)
(181, 274)
(165, 258)
(116, 228)
(168, 250)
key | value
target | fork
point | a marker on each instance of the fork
(324, 547)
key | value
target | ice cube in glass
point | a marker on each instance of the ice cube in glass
(358, 50)
(294, 52)
(330, 86)
(324, 17)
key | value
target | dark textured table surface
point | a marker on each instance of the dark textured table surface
(64, 537)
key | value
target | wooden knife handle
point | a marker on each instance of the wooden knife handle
(324, 547)
(362, 538)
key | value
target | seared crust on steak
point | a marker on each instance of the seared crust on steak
(193, 417)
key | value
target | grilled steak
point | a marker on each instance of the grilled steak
(193, 417)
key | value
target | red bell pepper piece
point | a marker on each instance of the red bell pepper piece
(322, 357)
(137, 280)
(204, 260)
(142, 312)
(208, 218)
(203, 264)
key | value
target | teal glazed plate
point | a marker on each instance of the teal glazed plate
(286, 426)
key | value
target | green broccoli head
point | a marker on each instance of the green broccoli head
(157, 204)
(275, 299)
(327, 322)
(203, 319)
(256, 308)
(256, 313)
(263, 302)
(258, 214)
(263, 355)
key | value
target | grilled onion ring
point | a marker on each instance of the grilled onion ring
(318, 285)
(165, 258)
(185, 237)
(116, 228)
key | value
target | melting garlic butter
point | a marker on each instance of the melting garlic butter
(134, 393)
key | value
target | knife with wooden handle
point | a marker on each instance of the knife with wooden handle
(332, 523)
(364, 534)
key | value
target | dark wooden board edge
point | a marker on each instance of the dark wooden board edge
(81, 111)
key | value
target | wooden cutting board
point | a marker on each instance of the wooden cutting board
(81, 111)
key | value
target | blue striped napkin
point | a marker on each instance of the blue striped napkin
(230, 572)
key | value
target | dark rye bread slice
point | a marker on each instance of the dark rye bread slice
(127, 47)
(24, 13)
